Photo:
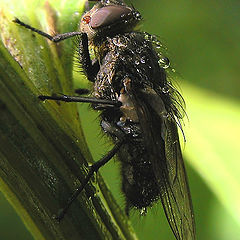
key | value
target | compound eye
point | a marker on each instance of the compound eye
(107, 15)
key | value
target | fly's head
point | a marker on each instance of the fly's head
(108, 18)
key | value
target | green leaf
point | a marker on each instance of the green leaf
(43, 152)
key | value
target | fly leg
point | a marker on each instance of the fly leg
(56, 38)
(93, 169)
(101, 103)
(90, 67)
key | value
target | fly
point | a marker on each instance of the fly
(140, 111)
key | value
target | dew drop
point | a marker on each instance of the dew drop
(143, 60)
(165, 90)
(143, 211)
(164, 62)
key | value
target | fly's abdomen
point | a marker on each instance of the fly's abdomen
(138, 183)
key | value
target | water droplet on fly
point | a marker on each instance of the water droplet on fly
(143, 60)
(164, 62)
(138, 50)
(147, 36)
(165, 90)
(143, 211)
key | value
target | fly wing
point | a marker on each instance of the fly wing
(175, 197)
(161, 137)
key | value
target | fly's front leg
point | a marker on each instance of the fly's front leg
(56, 38)
(90, 68)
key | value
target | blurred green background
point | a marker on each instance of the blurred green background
(203, 41)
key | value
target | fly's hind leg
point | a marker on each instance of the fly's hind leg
(93, 169)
